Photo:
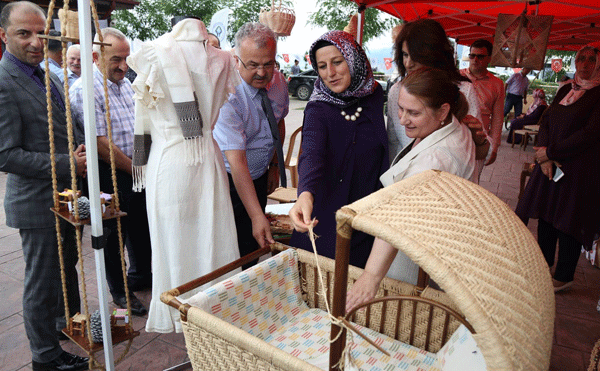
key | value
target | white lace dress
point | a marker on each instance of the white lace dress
(191, 220)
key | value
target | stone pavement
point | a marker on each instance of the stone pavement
(577, 324)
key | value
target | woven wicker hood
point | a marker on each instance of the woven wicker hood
(474, 246)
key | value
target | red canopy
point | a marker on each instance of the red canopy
(576, 22)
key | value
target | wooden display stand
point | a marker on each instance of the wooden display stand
(68, 196)
(76, 330)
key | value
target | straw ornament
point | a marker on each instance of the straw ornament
(278, 18)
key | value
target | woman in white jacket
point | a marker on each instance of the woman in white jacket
(430, 107)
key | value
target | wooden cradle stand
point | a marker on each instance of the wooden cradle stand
(466, 239)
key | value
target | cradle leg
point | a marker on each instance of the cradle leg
(342, 259)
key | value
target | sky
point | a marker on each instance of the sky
(304, 35)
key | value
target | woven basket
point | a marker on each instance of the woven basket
(352, 26)
(71, 21)
(279, 19)
(477, 250)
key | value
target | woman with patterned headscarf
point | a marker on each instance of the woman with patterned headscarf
(569, 139)
(533, 115)
(344, 144)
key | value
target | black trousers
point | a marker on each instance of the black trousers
(42, 293)
(569, 250)
(243, 224)
(136, 233)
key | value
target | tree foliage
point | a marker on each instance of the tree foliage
(335, 14)
(152, 18)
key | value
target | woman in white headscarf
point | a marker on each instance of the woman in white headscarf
(569, 140)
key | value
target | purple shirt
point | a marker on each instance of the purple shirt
(29, 70)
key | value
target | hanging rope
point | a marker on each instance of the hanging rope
(93, 363)
(339, 321)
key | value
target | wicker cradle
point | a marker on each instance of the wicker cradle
(466, 239)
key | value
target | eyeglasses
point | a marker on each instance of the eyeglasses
(478, 56)
(255, 67)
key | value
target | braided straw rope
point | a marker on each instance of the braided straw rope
(53, 162)
(595, 358)
(481, 255)
(73, 169)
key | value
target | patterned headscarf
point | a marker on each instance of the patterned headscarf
(579, 85)
(539, 99)
(362, 82)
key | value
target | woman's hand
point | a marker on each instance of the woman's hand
(540, 154)
(547, 169)
(366, 286)
(364, 289)
(301, 212)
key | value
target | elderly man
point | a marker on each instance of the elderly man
(135, 225)
(24, 155)
(490, 91)
(74, 63)
(248, 132)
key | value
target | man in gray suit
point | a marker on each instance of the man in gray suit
(24, 154)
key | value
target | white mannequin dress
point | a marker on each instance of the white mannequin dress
(192, 227)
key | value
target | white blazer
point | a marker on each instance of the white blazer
(451, 149)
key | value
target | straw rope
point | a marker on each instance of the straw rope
(53, 162)
(73, 171)
(595, 358)
(341, 322)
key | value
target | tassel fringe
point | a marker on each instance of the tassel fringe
(139, 178)
(193, 151)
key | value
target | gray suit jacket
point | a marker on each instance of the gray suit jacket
(25, 148)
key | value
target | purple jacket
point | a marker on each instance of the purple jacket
(341, 162)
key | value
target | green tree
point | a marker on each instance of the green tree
(152, 18)
(335, 14)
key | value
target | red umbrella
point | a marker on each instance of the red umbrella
(576, 22)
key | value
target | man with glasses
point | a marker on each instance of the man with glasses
(249, 130)
(490, 91)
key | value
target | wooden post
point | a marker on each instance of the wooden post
(342, 259)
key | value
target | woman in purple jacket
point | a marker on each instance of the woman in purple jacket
(344, 144)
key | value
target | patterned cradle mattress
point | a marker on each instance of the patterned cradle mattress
(266, 302)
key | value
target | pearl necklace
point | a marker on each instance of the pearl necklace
(352, 117)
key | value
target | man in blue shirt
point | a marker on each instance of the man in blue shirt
(244, 134)
(54, 56)
(516, 90)
(295, 68)
(74, 63)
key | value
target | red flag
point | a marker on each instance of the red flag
(286, 58)
(557, 65)
(388, 63)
